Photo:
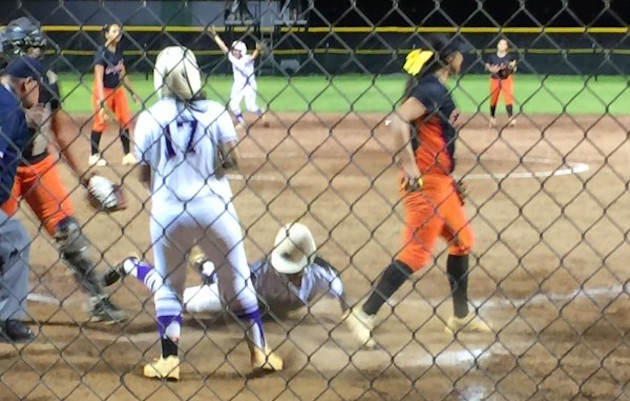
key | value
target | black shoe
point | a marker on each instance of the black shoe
(103, 310)
(112, 276)
(14, 331)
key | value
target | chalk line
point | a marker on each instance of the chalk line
(569, 168)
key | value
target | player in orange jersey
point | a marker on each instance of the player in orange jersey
(432, 199)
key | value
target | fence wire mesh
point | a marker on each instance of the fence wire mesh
(535, 253)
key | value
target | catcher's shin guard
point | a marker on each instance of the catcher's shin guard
(73, 247)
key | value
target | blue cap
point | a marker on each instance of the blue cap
(25, 67)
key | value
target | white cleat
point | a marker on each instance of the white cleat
(360, 325)
(492, 123)
(96, 161)
(512, 122)
(129, 160)
(470, 323)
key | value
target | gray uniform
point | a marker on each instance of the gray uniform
(274, 291)
(14, 251)
(318, 279)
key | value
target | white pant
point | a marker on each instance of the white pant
(247, 91)
(212, 224)
(203, 299)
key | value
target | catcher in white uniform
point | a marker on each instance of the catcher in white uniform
(244, 85)
(292, 278)
(184, 144)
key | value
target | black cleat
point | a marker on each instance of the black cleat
(14, 332)
(112, 276)
(102, 309)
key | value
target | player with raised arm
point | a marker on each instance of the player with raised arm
(244, 85)
(108, 94)
(433, 201)
(502, 66)
(38, 180)
(184, 144)
(292, 278)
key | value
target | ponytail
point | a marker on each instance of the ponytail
(420, 63)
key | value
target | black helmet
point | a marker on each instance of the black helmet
(19, 35)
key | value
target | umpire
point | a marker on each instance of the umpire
(18, 93)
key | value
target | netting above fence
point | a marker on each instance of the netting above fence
(258, 218)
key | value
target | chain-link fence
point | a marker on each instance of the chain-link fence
(531, 276)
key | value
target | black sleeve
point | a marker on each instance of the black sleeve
(490, 60)
(99, 58)
(425, 93)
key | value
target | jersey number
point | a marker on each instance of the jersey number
(180, 127)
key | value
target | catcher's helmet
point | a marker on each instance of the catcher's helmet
(19, 35)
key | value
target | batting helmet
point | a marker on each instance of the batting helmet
(177, 74)
(294, 249)
(20, 34)
(240, 46)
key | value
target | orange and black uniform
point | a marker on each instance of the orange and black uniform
(38, 180)
(115, 98)
(501, 82)
(436, 210)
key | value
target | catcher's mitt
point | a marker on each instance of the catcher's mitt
(104, 195)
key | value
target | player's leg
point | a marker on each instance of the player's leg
(123, 116)
(168, 236)
(222, 240)
(251, 93)
(458, 233)
(495, 91)
(203, 299)
(137, 268)
(45, 194)
(236, 96)
(14, 266)
(198, 299)
(422, 228)
(507, 89)
(98, 127)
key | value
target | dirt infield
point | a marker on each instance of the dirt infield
(549, 207)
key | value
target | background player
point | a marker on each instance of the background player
(292, 278)
(38, 179)
(433, 207)
(502, 65)
(22, 86)
(110, 75)
(244, 85)
(184, 144)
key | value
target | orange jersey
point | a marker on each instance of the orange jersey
(434, 139)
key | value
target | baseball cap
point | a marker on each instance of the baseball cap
(25, 67)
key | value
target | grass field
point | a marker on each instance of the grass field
(534, 94)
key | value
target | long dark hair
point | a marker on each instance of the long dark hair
(442, 49)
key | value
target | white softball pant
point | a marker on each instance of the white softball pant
(213, 225)
(247, 91)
